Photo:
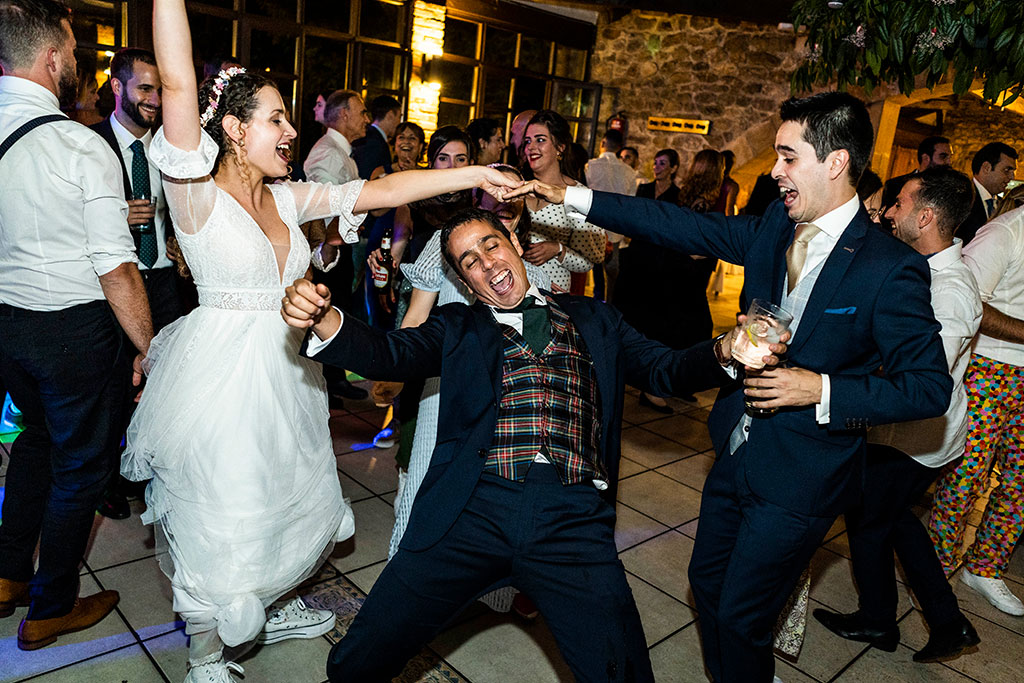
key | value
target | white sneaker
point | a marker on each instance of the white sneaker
(213, 670)
(995, 591)
(777, 679)
(295, 620)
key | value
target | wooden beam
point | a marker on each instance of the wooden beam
(881, 159)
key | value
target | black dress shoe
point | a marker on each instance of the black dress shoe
(345, 389)
(648, 403)
(853, 627)
(114, 505)
(948, 642)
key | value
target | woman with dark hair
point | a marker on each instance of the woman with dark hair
(730, 189)
(489, 139)
(647, 273)
(559, 244)
(699, 191)
(232, 428)
(664, 188)
(410, 140)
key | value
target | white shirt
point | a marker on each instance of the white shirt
(996, 257)
(330, 160)
(125, 138)
(608, 173)
(63, 218)
(578, 200)
(957, 305)
(983, 196)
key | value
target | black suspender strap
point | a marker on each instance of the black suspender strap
(25, 128)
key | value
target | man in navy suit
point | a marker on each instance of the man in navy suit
(528, 436)
(373, 151)
(865, 350)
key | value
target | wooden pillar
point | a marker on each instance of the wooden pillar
(881, 159)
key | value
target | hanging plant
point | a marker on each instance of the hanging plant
(876, 42)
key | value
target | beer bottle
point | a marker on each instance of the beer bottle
(385, 265)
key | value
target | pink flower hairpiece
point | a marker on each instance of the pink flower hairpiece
(219, 82)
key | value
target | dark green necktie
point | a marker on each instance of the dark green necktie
(536, 325)
(990, 206)
(140, 190)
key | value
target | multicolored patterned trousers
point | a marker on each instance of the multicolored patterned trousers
(995, 436)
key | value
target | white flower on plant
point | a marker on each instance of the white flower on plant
(858, 37)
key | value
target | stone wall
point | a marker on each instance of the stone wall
(734, 74)
(971, 123)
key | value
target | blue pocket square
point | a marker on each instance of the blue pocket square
(849, 310)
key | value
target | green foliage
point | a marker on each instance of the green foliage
(873, 42)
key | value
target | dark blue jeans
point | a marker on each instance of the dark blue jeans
(70, 374)
(554, 543)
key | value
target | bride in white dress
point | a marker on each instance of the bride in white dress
(232, 425)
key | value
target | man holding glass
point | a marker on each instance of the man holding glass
(860, 301)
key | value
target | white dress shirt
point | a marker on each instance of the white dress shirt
(578, 201)
(957, 305)
(63, 218)
(330, 160)
(996, 257)
(125, 139)
(983, 196)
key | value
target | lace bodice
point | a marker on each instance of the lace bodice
(231, 259)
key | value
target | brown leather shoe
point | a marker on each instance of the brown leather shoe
(12, 594)
(36, 633)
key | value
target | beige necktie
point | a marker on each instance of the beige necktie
(797, 252)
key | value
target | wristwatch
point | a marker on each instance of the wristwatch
(719, 354)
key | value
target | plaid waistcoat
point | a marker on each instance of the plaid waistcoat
(548, 405)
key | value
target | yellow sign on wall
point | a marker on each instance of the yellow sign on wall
(698, 126)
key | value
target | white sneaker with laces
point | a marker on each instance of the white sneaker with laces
(995, 591)
(213, 669)
(295, 620)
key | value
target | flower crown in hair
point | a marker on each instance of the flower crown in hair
(218, 87)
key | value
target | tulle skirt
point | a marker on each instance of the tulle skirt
(232, 429)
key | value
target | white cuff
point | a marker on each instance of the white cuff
(577, 201)
(316, 345)
(823, 409)
(317, 258)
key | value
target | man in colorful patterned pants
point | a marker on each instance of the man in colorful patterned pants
(995, 394)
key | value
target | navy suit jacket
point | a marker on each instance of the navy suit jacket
(870, 309)
(975, 219)
(464, 346)
(371, 151)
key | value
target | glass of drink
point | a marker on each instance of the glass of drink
(765, 324)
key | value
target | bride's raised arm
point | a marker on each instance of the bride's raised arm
(172, 44)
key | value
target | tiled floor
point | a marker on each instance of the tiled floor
(664, 463)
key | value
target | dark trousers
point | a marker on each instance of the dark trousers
(553, 542)
(746, 560)
(163, 292)
(69, 372)
(883, 523)
(339, 281)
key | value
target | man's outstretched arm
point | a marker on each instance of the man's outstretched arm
(346, 342)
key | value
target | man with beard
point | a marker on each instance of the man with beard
(135, 81)
(67, 270)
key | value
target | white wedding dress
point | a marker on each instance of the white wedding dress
(232, 425)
